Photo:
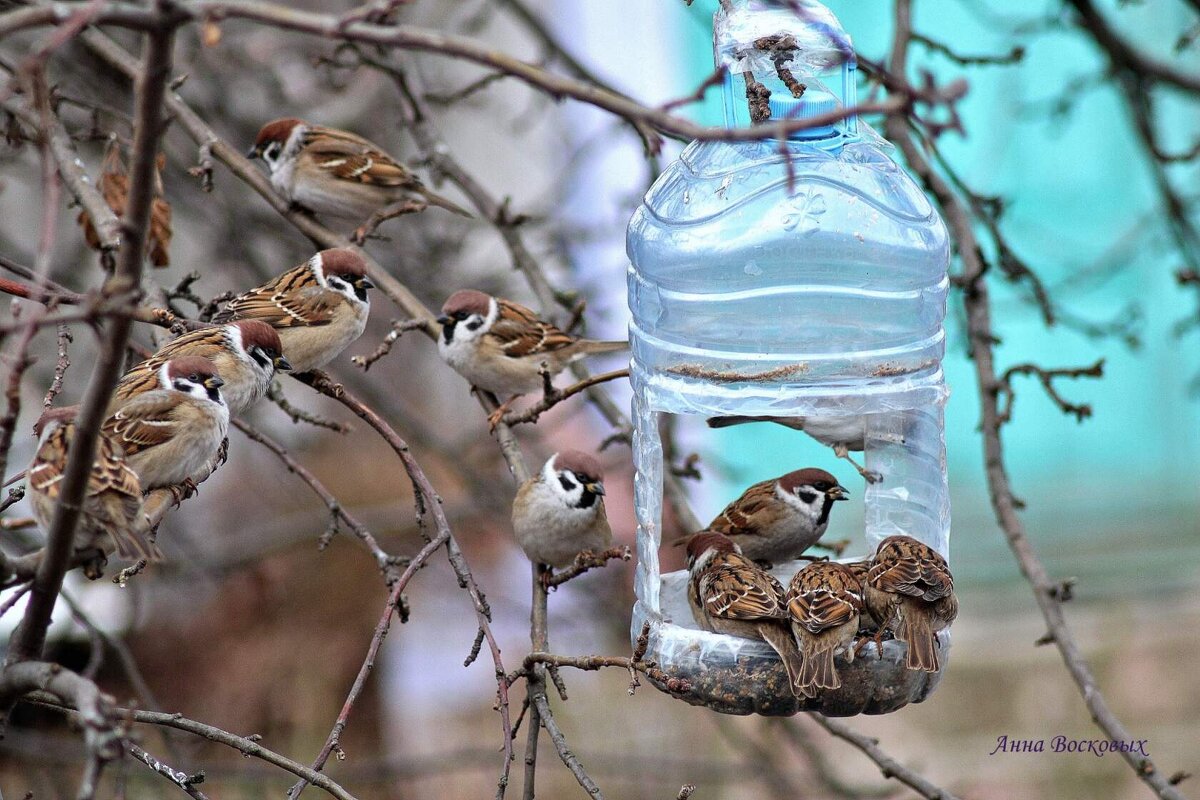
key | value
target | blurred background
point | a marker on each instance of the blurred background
(252, 628)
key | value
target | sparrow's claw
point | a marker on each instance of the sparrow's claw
(869, 475)
(879, 643)
(367, 229)
(497, 416)
(545, 575)
(223, 452)
(837, 548)
(859, 644)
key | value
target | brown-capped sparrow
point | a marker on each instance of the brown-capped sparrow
(730, 594)
(246, 354)
(824, 601)
(318, 308)
(776, 520)
(842, 433)
(559, 513)
(172, 433)
(501, 347)
(336, 173)
(910, 590)
(112, 503)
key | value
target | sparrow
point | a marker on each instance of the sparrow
(730, 594)
(339, 174)
(778, 519)
(909, 589)
(112, 503)
(502, 347)
(246, 353)
(559, 513)
(318, 308)
(824, 601)
(171, 434)
(842, 433)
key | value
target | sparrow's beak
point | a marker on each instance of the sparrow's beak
(838, 493)
(443, 320)
(282, 364)
(213, 383)
(365, 283)
(595, 488)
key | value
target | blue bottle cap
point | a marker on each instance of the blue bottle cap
(813, 103)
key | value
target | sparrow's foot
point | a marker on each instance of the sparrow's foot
(496, 416)
(869, 475)
(223, 452)
(546, 576)
(367, 229)
(321, 377)
(93, 568)
(879, 643)
(837, 547)
(859, 644)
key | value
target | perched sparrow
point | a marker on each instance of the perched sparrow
(560, 513)
(335, 173)
(842, 433)
(777, 520)
(170, 434)
(824, 601)
(112, 504)
(500, 346)
(730, 594)
(317, 308)
(246, 354)
(910, 590)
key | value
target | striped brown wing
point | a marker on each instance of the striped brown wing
(109, 470)
(352, 158)
(756, 508)
(824, 595)
(520, 333)
(902, 565)
(145, 421)
(737, 589)
(294, 298)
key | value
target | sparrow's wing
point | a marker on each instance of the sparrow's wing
(752, 511)
(520, 333)
(109, 470)
(739, 590)
(352, 158)
(910, 568)
(111, 473)
(144, 421)
(144, 377)
(46, 471)
(824, 596)
(281, 308)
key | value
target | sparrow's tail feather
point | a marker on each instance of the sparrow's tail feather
(725, 422)
(818, 671)
(435, 199)
(780, 639)
(133, 545)
(915, 630)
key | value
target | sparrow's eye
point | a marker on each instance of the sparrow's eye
(822, 486)
(460, 315)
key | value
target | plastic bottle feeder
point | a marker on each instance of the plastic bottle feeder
(816, 290)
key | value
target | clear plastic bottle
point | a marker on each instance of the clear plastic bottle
(802, 278)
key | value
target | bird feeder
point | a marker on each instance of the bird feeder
(799, 277)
